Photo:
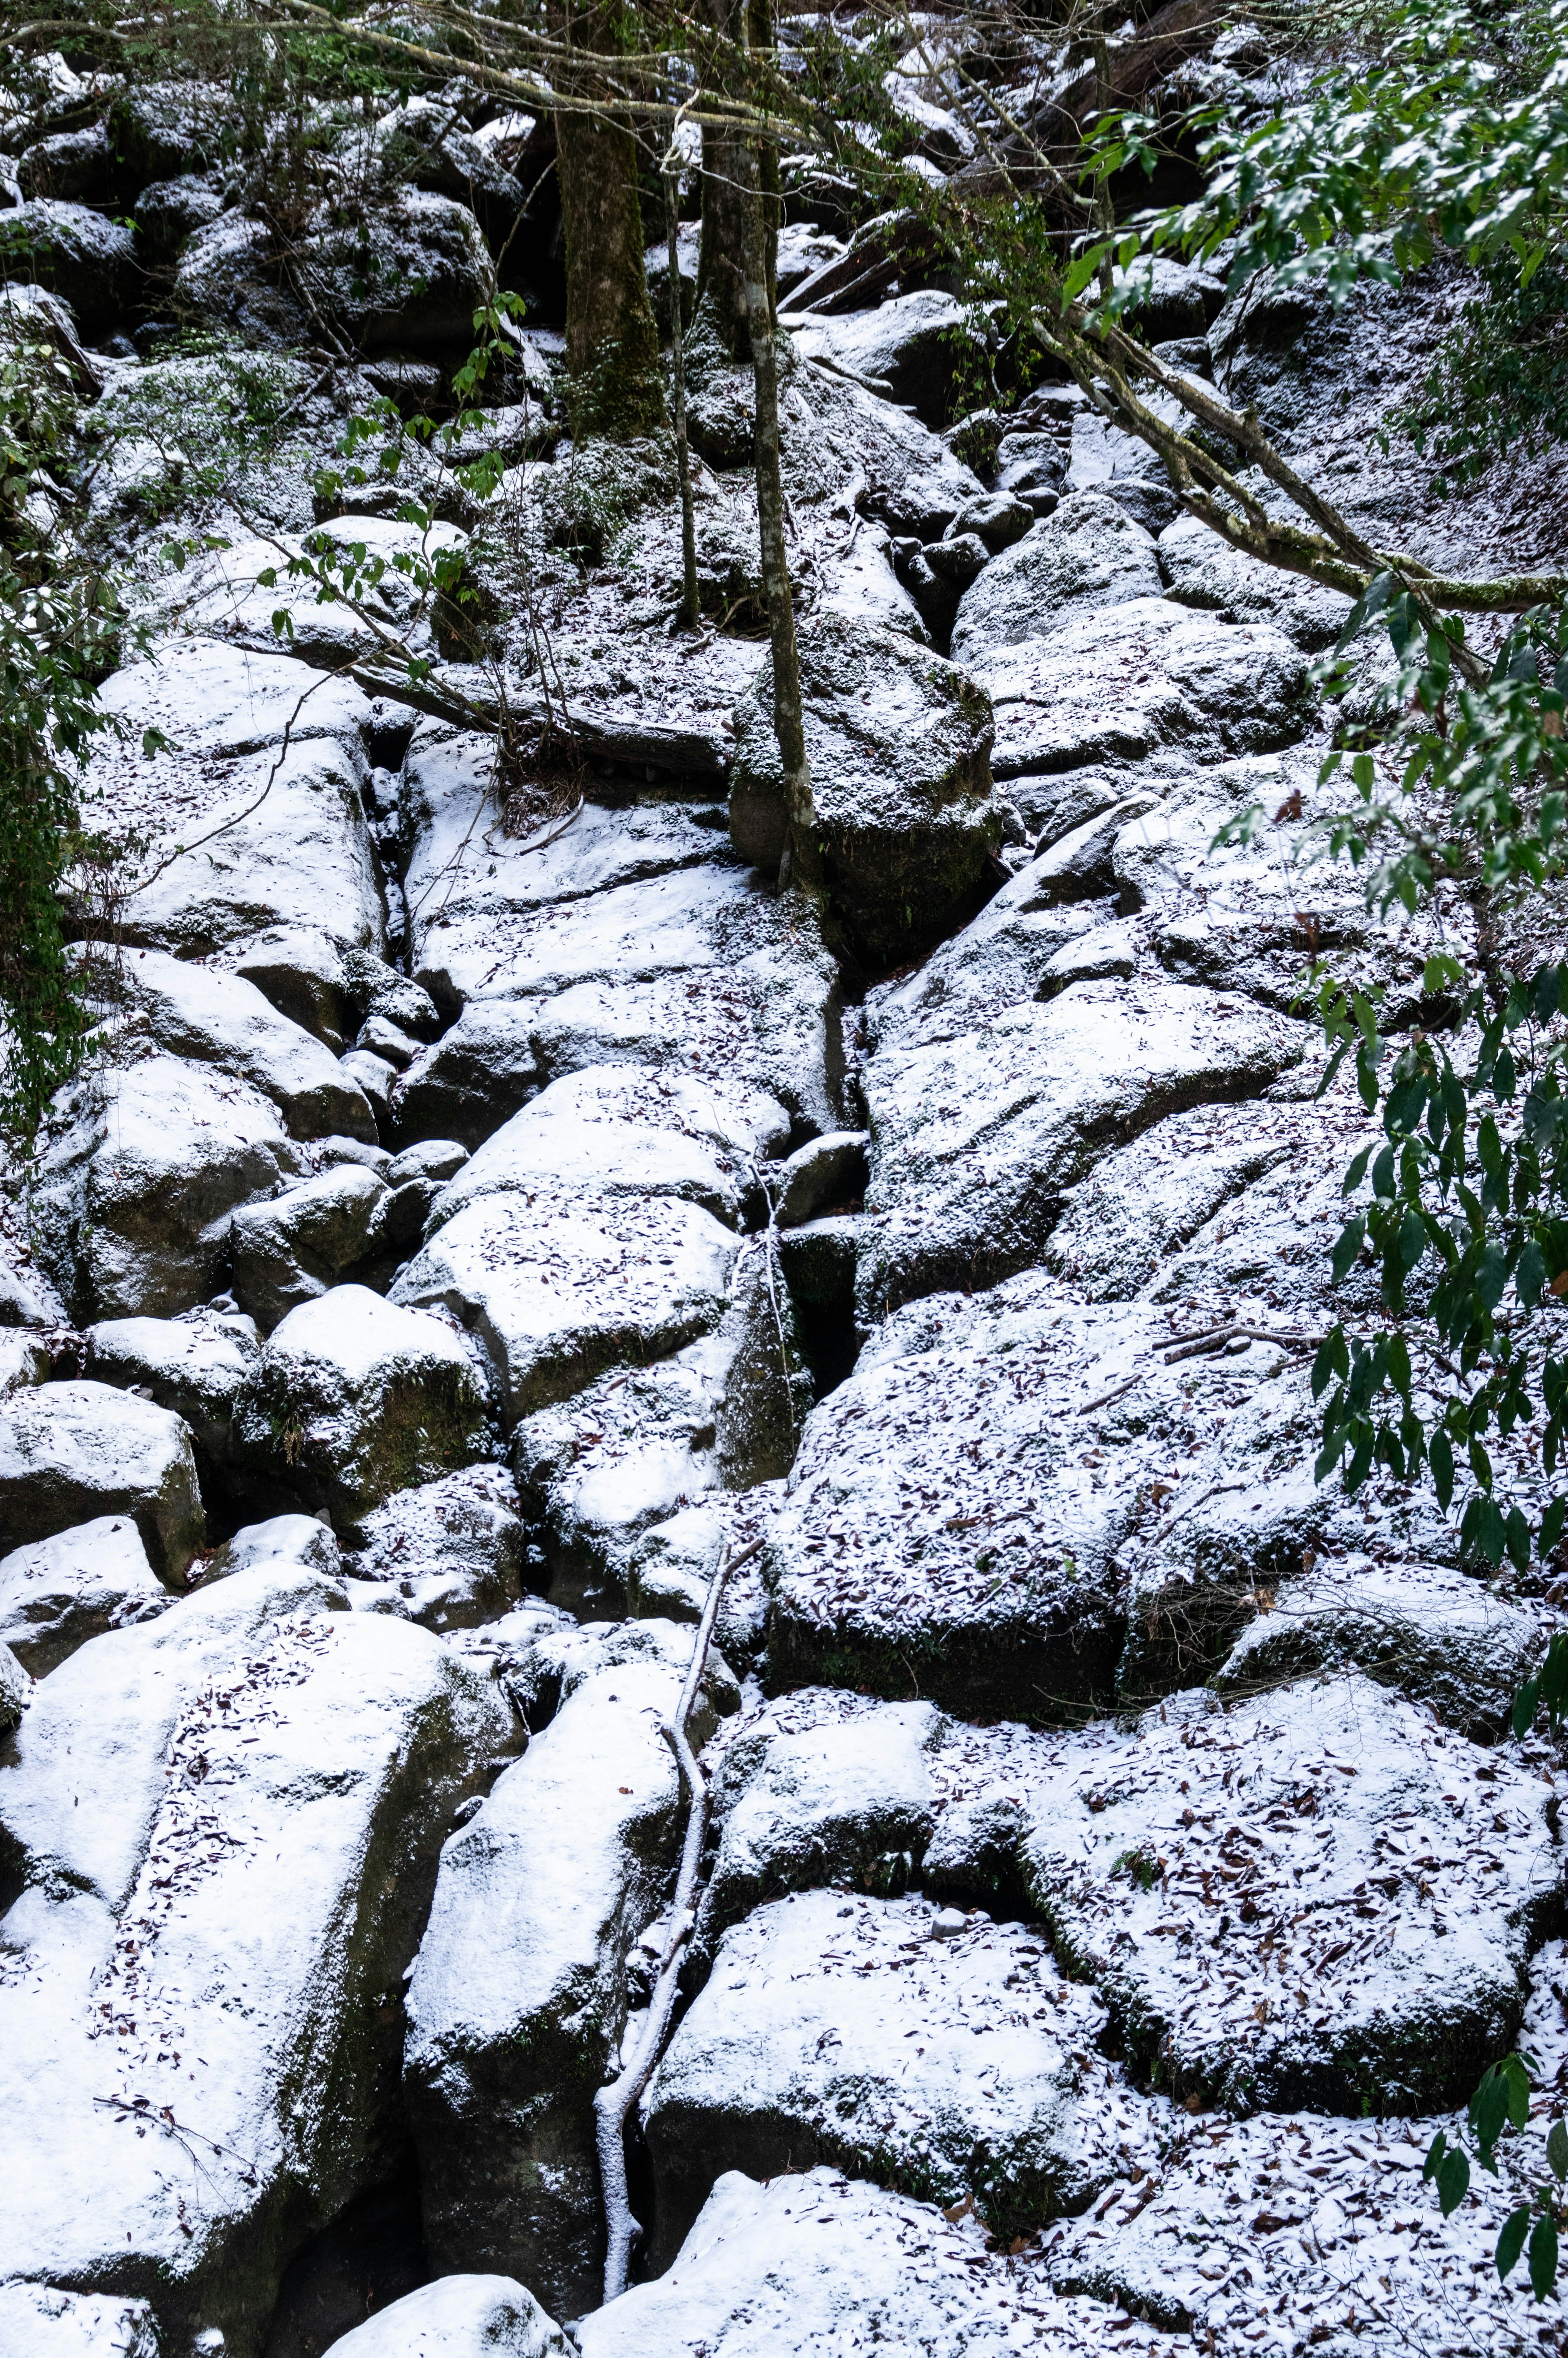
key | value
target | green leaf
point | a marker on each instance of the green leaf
(1440, 1457)
(1515, 2081)
(1516, 1538)
(1557, 2150)
(1543, 2256)
(1510, 2242)
(1412, 1239)
(1452, 2181)
(1524, 1710)
(1349, 1247)
(1434, 2154)
(1550, 1530)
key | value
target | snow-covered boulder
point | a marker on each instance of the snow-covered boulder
(474, 1079)
(459, 2316)
(79, 255)
(453, 1549)
(194, 1364)
(1087, 555)
(1316, 1898)
(36, 2321)
(15, 1686)
(135, 1189)
(977, 1136)
(1203, 570)
(518, 1999)
(224, 1827)
(292, 1249)
(301, 1540)
(822, 1788)
(874, 2033)
(356, 1398)
(1146, 676)
(72, 1453)
(897, 741)
(219, 1019)
(912, 346)
(56, 1593)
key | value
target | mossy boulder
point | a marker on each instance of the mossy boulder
(898, 741)
(356, 1398)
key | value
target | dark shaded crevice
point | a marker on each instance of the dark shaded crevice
(372, 2254)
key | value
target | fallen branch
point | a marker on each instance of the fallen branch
(613, 2103)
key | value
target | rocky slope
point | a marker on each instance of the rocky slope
(473, 1226)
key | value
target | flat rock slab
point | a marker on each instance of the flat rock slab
(356, 1398)
(816, 2262)
(36, 2321)
(918, 2051)
(259, 1759)
(696, 969)
(136, 1184)
(60, 1592)
(976, 1140)
(1315, 1899)
(518, 1999)
(70, 1453)
(945, 1535)
(557, 1286)
(1145, 677)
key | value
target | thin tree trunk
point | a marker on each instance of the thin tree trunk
(686, 612)
(726, 180)
(801, 862)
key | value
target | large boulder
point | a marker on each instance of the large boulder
(518, 1999)
(897, 745)
(224, 1828)
(71, 1453)
(816, 2253)
(1086, 556)
(1146, 677)
(58, 1593)
(1256, 1894)
(219, 1019)
(136, 1186)
(977, 1136)
(410, 278)
(195, 1365)
(459, 2316)
(356, 1398)
(294, 1248)
(453, 1549)
(75, 253)
(914, 347)
(1203, 570)
(865, 2034)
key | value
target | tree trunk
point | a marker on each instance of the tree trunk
(686, 613)
(727, 176)
(801, 863)
(612, 344)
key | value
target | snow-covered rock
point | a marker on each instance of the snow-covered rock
(1316, 1898)
(292, 1249)
(283, 1539)
(79, 255)
(136, 1186)
(897, 743)
(911, 347)
(453, 1549)
(58, 1593)
(976, 1138)
(1089, 556)
(224, 1825)
(1203, 570)
(221, 1020)
(518, 1998)
(873, 2034)
(15, 1687)
(822, 1788)
(354, 1397)
(36, 2321)
(72, 1453)
(459, 2316)
(194, 1364)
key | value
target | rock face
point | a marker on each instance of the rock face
(1087, 555)
(72, 1451)
(354, 1397)
(518, 1999)
(60, 1592)
(897, 743)
(257, 1757)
